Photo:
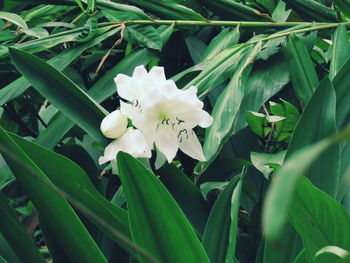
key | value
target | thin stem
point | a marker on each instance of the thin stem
(318, 25)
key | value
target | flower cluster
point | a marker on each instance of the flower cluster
(161, 113)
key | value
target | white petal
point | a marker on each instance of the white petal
(191, 146)
(140, 73)
(148, 127)
(110, 152)
(190, 96)
(157, 74)
(166, 141)
(206, 120)
(114, 124)
(124, 87)
(134, 143)
(129, 110)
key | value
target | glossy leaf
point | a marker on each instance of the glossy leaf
(340, 50)
(303, 75)
(13, 18)
(187, 195)
(62, 92)
(65, 224)
(302, 156)
(166, 234)
(72, 180)
(219, 238)
(312, 212)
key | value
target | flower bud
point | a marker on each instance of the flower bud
(114, 125)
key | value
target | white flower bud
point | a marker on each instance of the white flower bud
(114, 125)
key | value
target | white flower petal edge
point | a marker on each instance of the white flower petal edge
(132, 142)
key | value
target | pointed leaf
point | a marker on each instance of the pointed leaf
(156, 221)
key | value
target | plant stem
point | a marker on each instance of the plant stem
(320, 25)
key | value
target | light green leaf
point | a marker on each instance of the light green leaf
(340, 50)
(13, 18)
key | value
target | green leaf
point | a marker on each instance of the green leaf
(303, 74)
(344, 6)
(263, 161)
(156, 221)
(196, 47)
(72, 180)
(311, 10)
(144, 36)
(341, 83)
(168, 9)
(64, 223)
(15, 234)
(311, 212)
(60, 62)
(227, 106)
(340, 50)
(13, 18)
(312, 127)
(62, 92)
(187, 195)
(285, 128)
(233, 10)
(280, 14)
(225, 39)
(219, 238)
(88, 32)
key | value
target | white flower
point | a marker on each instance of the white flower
(132, 142)
(114, 124)
(164, 114)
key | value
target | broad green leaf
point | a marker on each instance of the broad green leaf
(37, 32)
(72, 180)
(219, 238)
(6, 252)
(312, 212)
(233, 10)
(62, 92)
(301, 258)
(196, 48)
(303, 74)
(312, 128)
(341, 83)
(15, 234)
(227, 106)
(122, 9)
(187, 195)
(56, 252)
(64, 223)
(209, 186)
(156, 221)
(311, 10)
(316, 123)
(340, 50)
(13, 18)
